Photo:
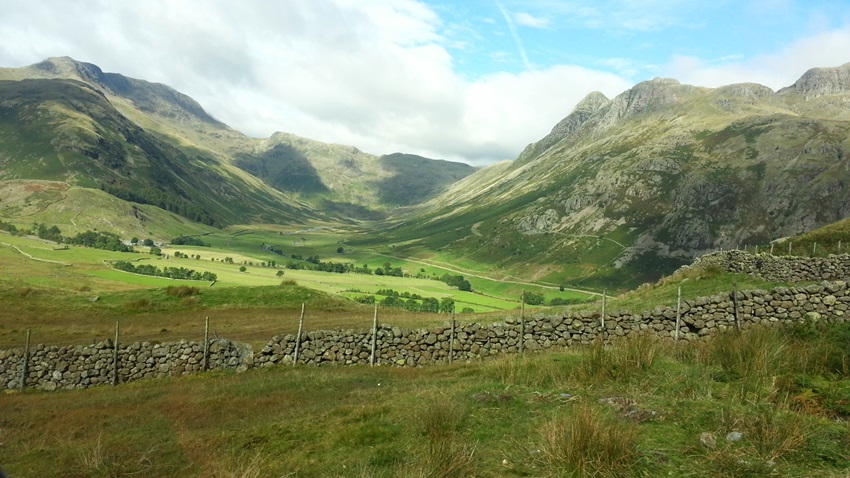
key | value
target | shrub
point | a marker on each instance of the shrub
(140, 304)
(288, 282)
(182, 291)
(190, 301)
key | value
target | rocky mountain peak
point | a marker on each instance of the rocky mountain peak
(582, 112)
(822, 81)
(155, 98)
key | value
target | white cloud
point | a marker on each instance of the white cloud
(376, 74)
(776, 70)
(529, 20)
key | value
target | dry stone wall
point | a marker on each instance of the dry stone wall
(779, 268)
(52, 368)
(698, 318)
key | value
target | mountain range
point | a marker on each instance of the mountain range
(621, 190)
(68, 121)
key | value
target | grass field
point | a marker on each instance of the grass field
(642, 408)
(71, 296)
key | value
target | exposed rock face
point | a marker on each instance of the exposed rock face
(669, 172)
(583, 111)
(822, 81)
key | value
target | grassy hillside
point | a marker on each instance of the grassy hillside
(65, 130)
(339, 182)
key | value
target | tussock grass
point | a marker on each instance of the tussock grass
(544, 414)
(586, 443)
(750, 359)
(630, 360)
(449, 454)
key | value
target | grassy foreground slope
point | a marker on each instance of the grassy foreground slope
(763, 403)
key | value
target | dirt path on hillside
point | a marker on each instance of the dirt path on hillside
(469, 274)
(29, 256)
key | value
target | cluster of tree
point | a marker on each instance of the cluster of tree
(389, 270)
(188, 241)
(533, 298)
(95, 239)
(8, 227)
(411, 302)
(179, 254)
(51, 233)
(313, 263)
(170, 272)
(162, 200)
(337, 267)
(147, 242)
(99, 240)
(457, 281)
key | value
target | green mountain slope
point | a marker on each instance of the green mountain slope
(66, 130)
(334, 181)
(624, 190)
(327, 174)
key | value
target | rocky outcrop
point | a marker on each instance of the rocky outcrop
(583, 111)
(822, 81)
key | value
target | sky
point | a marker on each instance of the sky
(473, 81)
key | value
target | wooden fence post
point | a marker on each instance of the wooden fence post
(771, 248)
(298, 337)
(789, 247)
(374, 336)
(522, 325)
(25, 368)
(678, 310)
(452, 338)
(735, 308)
(205, 365)
(604, 300)
(115, 356)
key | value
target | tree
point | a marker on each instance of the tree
(340, 250)
(134, 240)
(447, 305)
(532, 298)
(280, 273)
(242, 268)
(156, 251)
(147, 243)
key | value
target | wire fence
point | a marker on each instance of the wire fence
(255, 327)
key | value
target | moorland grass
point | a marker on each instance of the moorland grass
(538, 415)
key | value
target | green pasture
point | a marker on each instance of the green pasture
(143, 280)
